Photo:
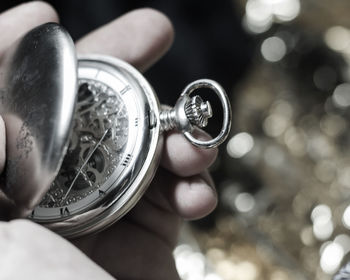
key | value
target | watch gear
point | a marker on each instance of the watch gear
(198, 112)
(99, 109)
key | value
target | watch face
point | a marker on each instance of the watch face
(107, 144)
(96, 147)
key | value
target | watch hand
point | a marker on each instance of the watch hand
(51, 197)
(83, 165)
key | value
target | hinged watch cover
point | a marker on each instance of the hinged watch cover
(38, 84)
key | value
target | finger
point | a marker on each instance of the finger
(139, 37)
(6, 205)
(184, 159)
(2, 144)
(130, 251)
(28, 250)
(193, 198)
(190, 198)
(14, 23)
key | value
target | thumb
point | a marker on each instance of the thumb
(29, 251)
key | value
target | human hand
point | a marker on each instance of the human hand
(140, 245)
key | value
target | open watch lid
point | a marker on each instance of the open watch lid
(38, 85)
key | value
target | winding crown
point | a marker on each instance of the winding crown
(198, 112)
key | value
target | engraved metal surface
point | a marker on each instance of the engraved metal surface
(189, 112)
(38, 80)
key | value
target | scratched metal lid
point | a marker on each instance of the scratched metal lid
(38, 80)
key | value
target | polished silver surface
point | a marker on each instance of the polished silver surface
(38, 77)
(117, 126)
(189, 112)
(198, 112)
(132, 164)
(114, 138)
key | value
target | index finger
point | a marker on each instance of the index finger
(139, 37)
(15, 22)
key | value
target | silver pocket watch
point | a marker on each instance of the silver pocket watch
(84, 136)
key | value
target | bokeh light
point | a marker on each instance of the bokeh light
(284, 207)
(341, 95)
(273, 49)
(321, 217)
(337, 38)
(260, 14)
(244, 202)
(240, 144)
(331, 257)
(346, 217)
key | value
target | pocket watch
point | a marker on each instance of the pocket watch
(84, 136)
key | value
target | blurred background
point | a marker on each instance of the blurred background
(283, 176)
